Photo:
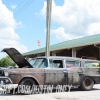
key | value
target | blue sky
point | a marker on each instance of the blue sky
(32, 26)
(71, 19)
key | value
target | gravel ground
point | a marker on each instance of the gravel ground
(75, 94)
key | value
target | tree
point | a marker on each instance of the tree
(5, 62)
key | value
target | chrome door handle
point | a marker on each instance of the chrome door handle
(79, 72)
(64, 71)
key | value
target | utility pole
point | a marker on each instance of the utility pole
(48, 24)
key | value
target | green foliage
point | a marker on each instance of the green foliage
(5, 62)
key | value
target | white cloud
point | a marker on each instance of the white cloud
(13, 6)
(61, 35)
(93, 28)
(75, 17)
(8, 37)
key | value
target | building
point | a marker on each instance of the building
(88, 46)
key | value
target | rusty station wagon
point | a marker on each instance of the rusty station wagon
(52, 70)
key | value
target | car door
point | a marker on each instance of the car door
(74, 71)
(54, 74)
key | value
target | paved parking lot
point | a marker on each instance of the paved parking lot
(75, 94)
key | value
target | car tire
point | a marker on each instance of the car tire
(26, 86)
(87, 84)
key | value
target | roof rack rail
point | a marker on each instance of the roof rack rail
(85, 57)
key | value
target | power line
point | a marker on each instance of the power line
(24, 7)
(18, 12)
(19, 5)
(13, 11)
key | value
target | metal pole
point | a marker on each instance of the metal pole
(48, 24)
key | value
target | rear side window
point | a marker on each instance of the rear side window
(73, 63)
(56, 63)
(92, 64)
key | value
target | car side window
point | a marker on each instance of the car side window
(32, 61)
(39, 63)
(72, 63)
(56, 63)
(92, 64)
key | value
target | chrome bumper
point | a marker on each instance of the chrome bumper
(6, 83)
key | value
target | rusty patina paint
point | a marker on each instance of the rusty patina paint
(18, 74)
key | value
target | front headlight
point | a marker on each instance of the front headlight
(1, 72)
(5, 73)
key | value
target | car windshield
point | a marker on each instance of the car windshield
(39, 63)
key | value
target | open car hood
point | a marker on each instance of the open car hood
(17, 57)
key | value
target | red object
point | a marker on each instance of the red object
(39, 42)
